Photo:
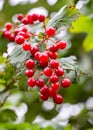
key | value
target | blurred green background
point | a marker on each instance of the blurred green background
(23, 110)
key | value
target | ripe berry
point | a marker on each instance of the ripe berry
(8, 26)
(47, 71)
(37, 54)
(65, 83)
(44, 97)
(12, 37)
(19, 39)
(53, 55)
(40, 83)
(30, 64)
(20, 17)
(43, 57)
(41, 18)
(7, 34)
(25, 21)
(58, 99)
(34, 49)
(44, 90)
(24, 29)
(50, 32)
(53, 48)
(55, 86)
(52, 93)
(59, 71)
(35, 17)
(61, 44)
(21, 33)
(29, 17)
(29, 73)
(31, 82)
(43, 64)
(26, 46)
(54, 79)
(54, 64)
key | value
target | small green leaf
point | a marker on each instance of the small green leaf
(64, 18)
(84, 25)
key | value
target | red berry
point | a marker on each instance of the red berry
(52, 93)
(29, 17)
(53, 48)
(40, 83)
(24, 29)
(41, 18)
(55, 86)
(19, 39)
(50, 32)
(54, 64)
(25, 21)
(8, 26)
(53, 55)
(21, 33)
(20, 17)
(43, 64)
(16, 31)
(43, 57)
(31, 82)
(30, 64)
(27, 35)
(37, 54)
(34, 49)
(7, 34)
(54, 79)
(59, 71)
(58, 99)
(26, 46)
(65, 83)
(35, 17)
(12, 37)
(44, 90)
(44, 97)
(61, 44)
(48, 71)
(29, 73)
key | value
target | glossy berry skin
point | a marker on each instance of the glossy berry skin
(55, 86)
(29, 73)
(26, 46)
(40, 83)
(25, 21)
(58, 99)
(59, 71)
(34, 49)
(50, 32)
(12, 37)
(43, 64)
(53, 48)
(53, 55)
(29, 17)
(65, 83)
(54, 64)
(36, 55)
(43, 57)
(19, 39)
(30, 64)
(47, 71)
(52, 93)
(7, 34)
(54, 79)
(20, 17)
(44, 90)
(61, 45)
(8, 26)
(31, 82)
(35, 17)
(41, 18)
(44, 97)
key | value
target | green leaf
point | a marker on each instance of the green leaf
(64, 18)
(7, 115)
(70, 63)
(84, 24)
(18, 56)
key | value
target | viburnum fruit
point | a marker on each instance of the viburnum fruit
(42, 68)
(65, 83)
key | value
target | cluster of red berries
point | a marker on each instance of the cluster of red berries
(42, 69)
